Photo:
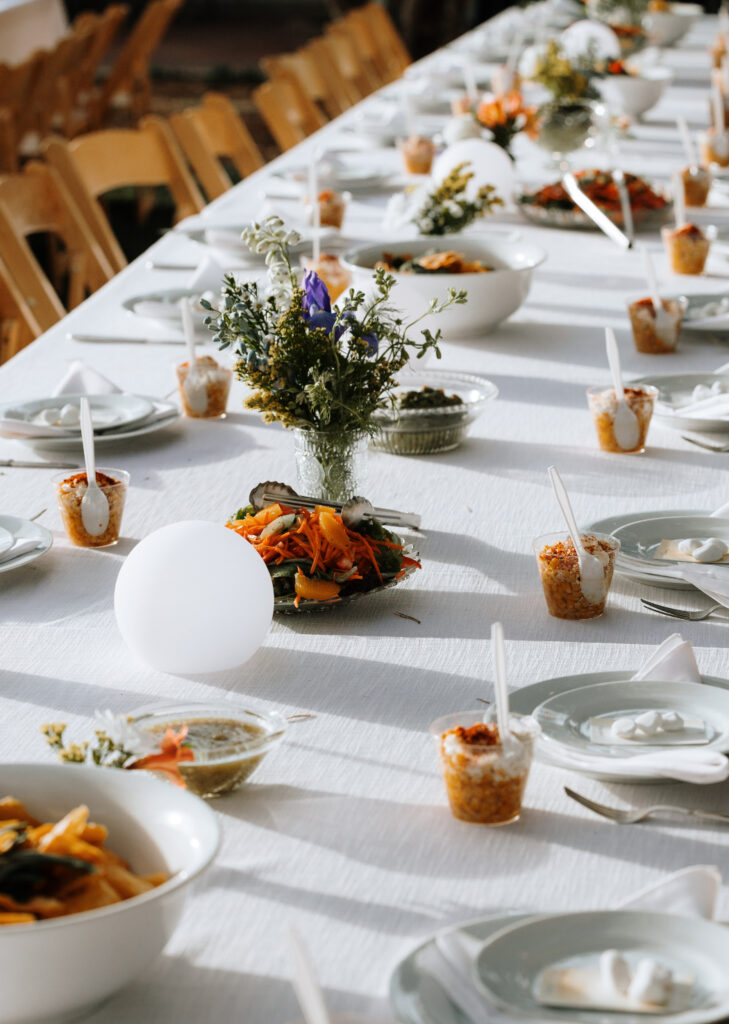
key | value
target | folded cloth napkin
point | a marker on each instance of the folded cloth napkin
(672, 661)
(81, 379)
(208, 276)
(225, 238)
(691, 892)
(714, 408)
(21, 546)
(158, 309)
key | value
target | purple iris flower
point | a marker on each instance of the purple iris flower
(315, 293)
(372, 343)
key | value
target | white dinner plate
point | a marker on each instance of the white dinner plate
(675, 390)
(712, 325)
(226, 239)
(511, 960)
(416, 997)
(353, 177)
(640, 540)
(164, 306)
(565, 717)
(611, 523)
(108, 412)
(21, 530)
(163, 415)
(6, 540)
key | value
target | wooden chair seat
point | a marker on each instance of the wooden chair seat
(18, 325)
(288, 120)
(213, 131)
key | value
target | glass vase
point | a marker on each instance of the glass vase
(564, 126)
(331, 464)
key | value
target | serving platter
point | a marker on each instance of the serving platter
(510, 961)
(575, 219)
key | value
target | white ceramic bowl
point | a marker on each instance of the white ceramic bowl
(634, 95)
(492, 297)
(56, 969)
(665, 28)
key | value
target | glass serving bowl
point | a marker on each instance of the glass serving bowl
(229, 741)
(438, 429)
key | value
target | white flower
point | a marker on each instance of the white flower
(125, 734)
(426, 224)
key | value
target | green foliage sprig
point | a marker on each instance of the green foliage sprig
(448, 210)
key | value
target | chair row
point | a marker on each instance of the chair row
(58, 90)
(62, 196)
(357, 54)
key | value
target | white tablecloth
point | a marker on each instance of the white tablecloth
(344, 830)
(28, 25)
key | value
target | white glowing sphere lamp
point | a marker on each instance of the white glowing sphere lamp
(489, 164)
(193, 597)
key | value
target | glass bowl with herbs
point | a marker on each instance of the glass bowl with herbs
(430, 412)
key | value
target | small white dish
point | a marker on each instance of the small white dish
(511, 960)
(25, 532)
(154, 826)
(492, 296)
(108, 412)
(634, 95)
(339, 175)
(164, 306)
(640, 540)
(565, 718)
(675, 391)
(665, 28)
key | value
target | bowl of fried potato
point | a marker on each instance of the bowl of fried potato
(95, 865)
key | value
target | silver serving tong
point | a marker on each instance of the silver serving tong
(593, 211)
(352, 511)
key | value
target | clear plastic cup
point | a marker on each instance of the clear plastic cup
(687, 248)
(559, 571)
(70, 491)
(714, 148)
(604, 406)
(215, 379)
(647, 337)
(417, 153)
(332, 208)
(484, 780)
(696, 185)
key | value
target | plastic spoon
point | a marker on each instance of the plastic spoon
(688, 145)
(196, 394)
(94, 504)
(679, 199)
(625, 425)
(717, 109)
(316, 212)
(306, 984)
(501, 690)
(592, 576)
(664, 323)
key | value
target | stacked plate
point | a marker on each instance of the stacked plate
(503, 963)
(53, 422)
(21, 541)
(691, 401)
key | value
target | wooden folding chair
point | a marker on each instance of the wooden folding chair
(16, 88)
(338, 93)
(389, 39)
(99, 162)
(37, 202)
(106, 28)
(212, 131)
(128, 83)
(347, 57)
(279, 103)
(18, 325)
(307, 79)
(373, 51)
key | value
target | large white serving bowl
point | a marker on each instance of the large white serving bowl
(665, 28)
(56, 969)
(492, 297)
(634, 95)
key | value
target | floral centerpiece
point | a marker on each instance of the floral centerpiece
(319, 369)
(564, 122)
(443, 209)
(505, 116)
(625, 18)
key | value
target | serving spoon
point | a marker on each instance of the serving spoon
(94, 504)
(592, 576)
(625, 425)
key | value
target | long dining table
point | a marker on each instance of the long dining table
(344, 831)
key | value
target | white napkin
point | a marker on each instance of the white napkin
(673, 661)
(208, 276)
(691, 892)
(225, 238)
(81, 379)
(21, 546)
(714, 408)
(156, 309)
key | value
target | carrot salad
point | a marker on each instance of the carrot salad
(601, 188)
(313, 556)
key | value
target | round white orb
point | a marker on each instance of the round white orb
(588, 37)
(489, 164)
(193, 597)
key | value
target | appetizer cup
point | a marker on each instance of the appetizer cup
(228, 741)
(70, 491)
(484, 778)
(696, 185)
(647, 337)
(559, 571)
(60, 968)
(417, 154)
(215, 380)
(603, 406)
(687, 248)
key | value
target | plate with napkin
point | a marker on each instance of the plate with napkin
(691, 401)
(28, 541)
(672, 661)
(79, 380)
(435, 983)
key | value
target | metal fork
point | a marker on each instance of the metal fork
(680, 613)
(631, 817)
(705, 444)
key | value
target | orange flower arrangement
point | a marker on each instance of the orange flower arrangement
(505, 116)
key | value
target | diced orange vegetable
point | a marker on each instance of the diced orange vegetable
(334, 530)
(315, 590)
